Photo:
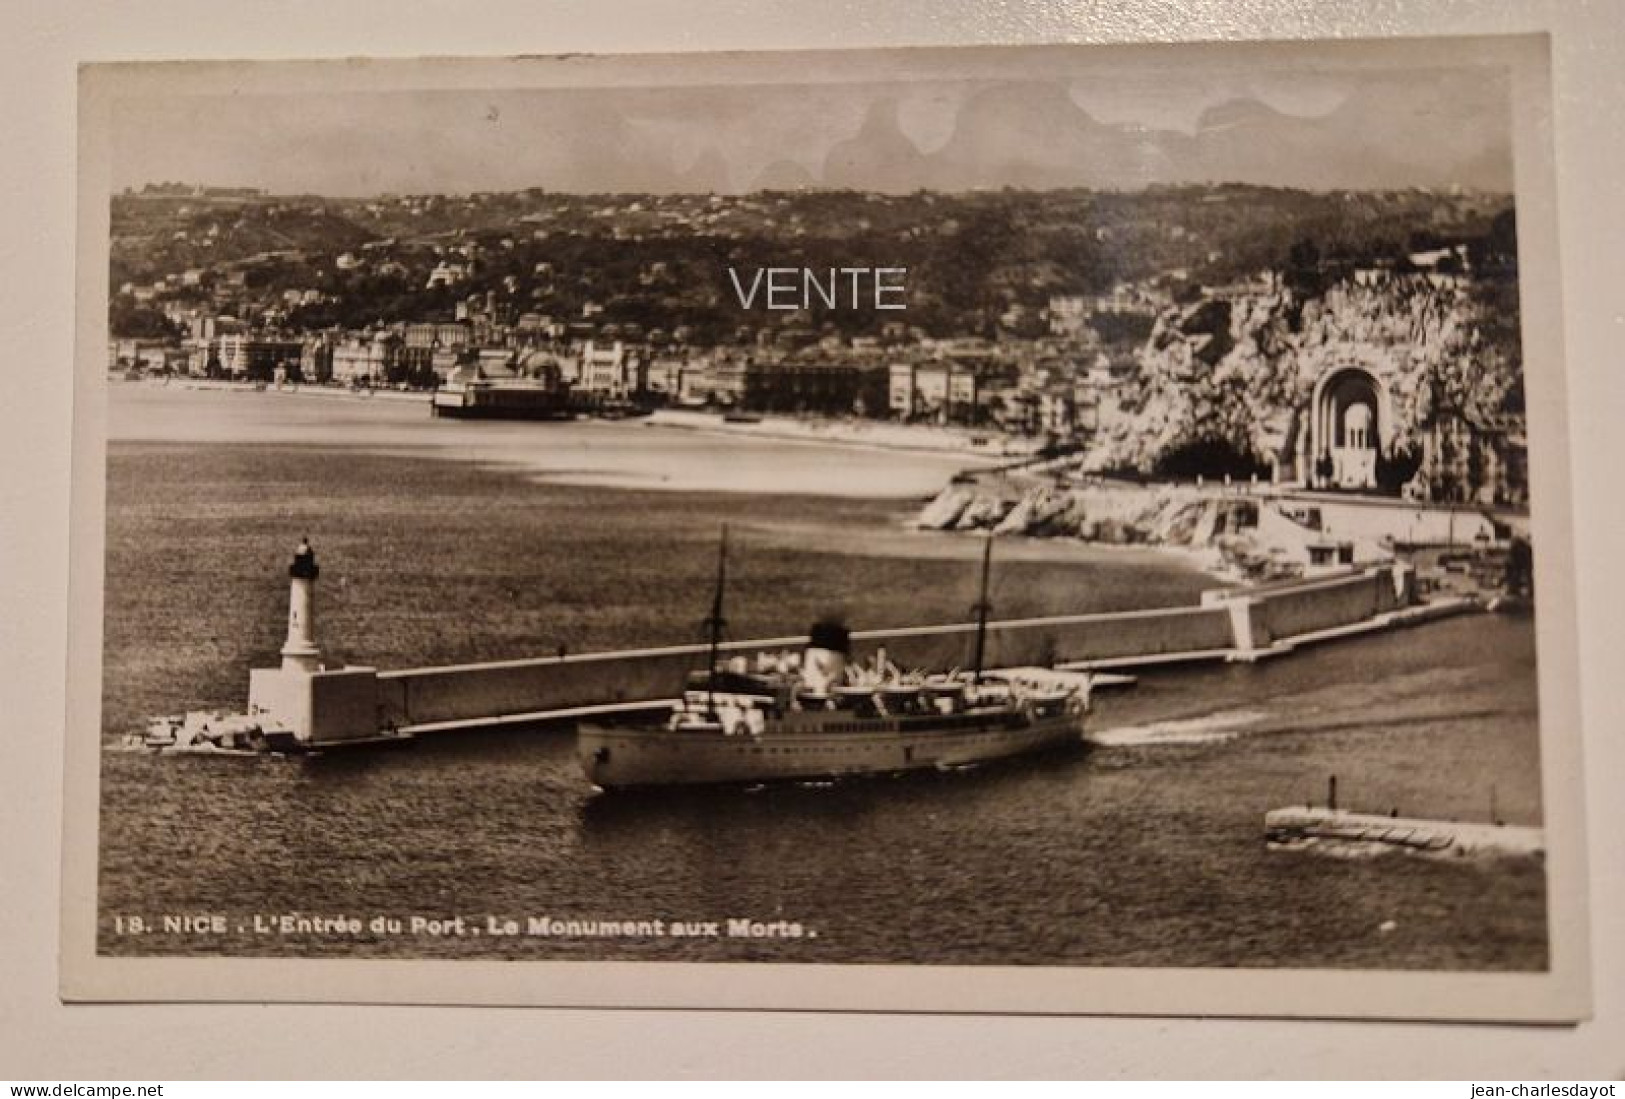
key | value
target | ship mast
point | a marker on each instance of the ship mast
(982, 608)
(715, 624)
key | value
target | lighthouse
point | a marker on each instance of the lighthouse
(305, 699)
(300, 652)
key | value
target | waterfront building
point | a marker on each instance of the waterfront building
(200, 355)
(940, 391)
(140, 354)
(254, 356)
(718, 379)
(613, 370)
(443, 361)
(417, 363)
(437, 334)
(209, 326)
(900, 390)
(366, 360)
(316, 360)
(831, 387)
(671, 377)
(421, 343)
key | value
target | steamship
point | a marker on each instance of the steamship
(817, 715)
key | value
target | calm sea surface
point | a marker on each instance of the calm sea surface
(1144, 849)
(622, 454)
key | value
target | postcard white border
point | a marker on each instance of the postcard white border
(1562, 994)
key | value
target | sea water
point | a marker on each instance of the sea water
(1143, 847)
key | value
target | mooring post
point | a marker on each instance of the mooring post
(1331, 793)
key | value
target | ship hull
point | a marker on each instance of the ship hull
(630, 757)
(480, 412)
(496, 403)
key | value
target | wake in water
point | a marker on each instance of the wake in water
(1209, 729)
(1228, 725)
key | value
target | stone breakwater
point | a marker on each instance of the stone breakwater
(1225, 528)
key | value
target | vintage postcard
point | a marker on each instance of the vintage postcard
(1064, 529)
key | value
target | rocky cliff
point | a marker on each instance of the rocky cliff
(1242, 369)
(1223, 527)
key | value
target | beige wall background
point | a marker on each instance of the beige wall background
(40, 1039)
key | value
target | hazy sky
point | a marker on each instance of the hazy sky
(1319, 129)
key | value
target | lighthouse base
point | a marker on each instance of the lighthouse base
(323, 707)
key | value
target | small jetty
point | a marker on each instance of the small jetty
(1306, 826)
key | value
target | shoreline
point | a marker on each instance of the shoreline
(871, 434)
(878, 435)
(591, 452)
(296, 389)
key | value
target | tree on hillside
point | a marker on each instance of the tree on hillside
(130, 320)
(1304, 275)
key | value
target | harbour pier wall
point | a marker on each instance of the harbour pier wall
(1323, 606)
(1266, 617)
(1236, 624)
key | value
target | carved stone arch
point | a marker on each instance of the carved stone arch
(1351, 420)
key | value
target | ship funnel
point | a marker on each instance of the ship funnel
(827, 651)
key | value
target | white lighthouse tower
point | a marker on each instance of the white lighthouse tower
(300, 651)
(304, 698)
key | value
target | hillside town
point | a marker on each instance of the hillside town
(1173, 333)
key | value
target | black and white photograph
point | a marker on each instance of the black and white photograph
(1071, 528)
